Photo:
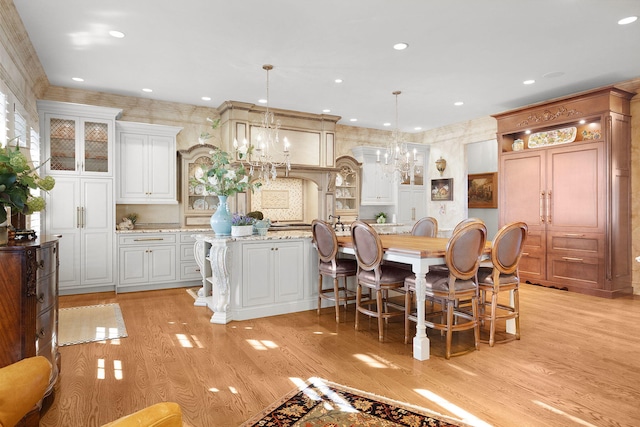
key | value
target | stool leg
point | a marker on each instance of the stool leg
(336, 294)
(319, 292)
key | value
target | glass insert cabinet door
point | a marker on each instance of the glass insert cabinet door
(78, 145)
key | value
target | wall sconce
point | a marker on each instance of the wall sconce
(441, 165)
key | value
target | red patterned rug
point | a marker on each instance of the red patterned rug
(325, 404)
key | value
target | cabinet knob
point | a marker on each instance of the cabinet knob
(41, 333)
(41, 298)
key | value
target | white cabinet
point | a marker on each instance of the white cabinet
(412, 191)
(197, 205)
(146, 163)
(188, 268)
(347, 189)
(146, 258)
(81, 210)
(273, 272)
(376, 188)
(78, 139)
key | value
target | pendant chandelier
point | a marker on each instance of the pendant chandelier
(396, 160)
(266, 152)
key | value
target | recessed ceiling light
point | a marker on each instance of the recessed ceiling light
(387, 124)
(77, 79)
(262, 101)
(458, 103)
(627, 20)
(529, 82)
(553, 74)
(206, 98)
(353, 120)
(146, 89)
(417, 128)
(326, 110)
(338, 80)
(116, 34)
(400, 46)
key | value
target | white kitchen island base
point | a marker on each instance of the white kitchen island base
(257, 276)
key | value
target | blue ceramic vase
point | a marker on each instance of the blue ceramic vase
(221, 219)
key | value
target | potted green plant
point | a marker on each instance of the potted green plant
(381, 218)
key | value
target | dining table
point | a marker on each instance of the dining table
(419, 252)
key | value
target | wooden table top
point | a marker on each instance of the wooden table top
(424, 247)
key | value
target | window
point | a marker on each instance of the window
(20, 129)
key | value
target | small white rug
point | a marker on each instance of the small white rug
(77, 325)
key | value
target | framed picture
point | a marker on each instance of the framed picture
(442, 189)
(482, 191)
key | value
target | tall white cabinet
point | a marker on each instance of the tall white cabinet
(79, 140)
(412, 191)
(146, 163)
(376, 189)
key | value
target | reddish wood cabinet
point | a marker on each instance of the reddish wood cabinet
(565, 170)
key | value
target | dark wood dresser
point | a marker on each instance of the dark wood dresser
(29, 305)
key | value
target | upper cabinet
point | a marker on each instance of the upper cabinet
(412, 191)
(197, 204)
(78, 139)
(347, 192)
(146, 158)
(376, 188)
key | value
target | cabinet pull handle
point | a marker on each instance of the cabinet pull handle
(549, 207)
(41, 298)
(568, 258)
(41, 333)
(78, 217)
(541, 206)
(41, 264)
(573, 235)
(148, 239)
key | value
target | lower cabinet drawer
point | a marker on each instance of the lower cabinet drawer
(579, 271)
(190, 271)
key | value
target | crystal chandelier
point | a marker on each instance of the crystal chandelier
(398, 160)
(266, 152)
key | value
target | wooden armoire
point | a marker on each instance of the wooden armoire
(565, 170)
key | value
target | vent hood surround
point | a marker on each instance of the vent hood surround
(312, 138)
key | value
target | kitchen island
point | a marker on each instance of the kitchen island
(257, 276)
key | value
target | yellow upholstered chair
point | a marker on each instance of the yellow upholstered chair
(326, 242)
(502, 276)
(375, 276)
(427, 227)
(458, 282)
(22, 387)
(164, 414)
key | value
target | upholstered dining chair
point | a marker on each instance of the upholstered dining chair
(427, 227)
(459, 282)
(501, 277)
(326, 242)
(443, 267)
(376, 277)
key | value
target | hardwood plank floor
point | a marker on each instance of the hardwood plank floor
(577, 364)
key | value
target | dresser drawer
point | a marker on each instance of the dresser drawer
(45, 324)
(45, 292)
(46, 259)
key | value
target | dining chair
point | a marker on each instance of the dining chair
(459, 282)
(376, 277)
(443, 267)
(501, 277)
(427, 227)
(326, 242)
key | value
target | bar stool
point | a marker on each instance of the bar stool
(325, 240)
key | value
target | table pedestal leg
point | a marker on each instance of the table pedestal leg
(420, 341)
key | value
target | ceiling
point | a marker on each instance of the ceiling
(478, 52)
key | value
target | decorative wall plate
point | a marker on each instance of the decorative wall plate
(199, 189)
(552, 137)
(200, 204)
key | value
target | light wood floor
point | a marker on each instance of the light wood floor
(577, 364)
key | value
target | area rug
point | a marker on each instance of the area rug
(320, 403)
(77, 325)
